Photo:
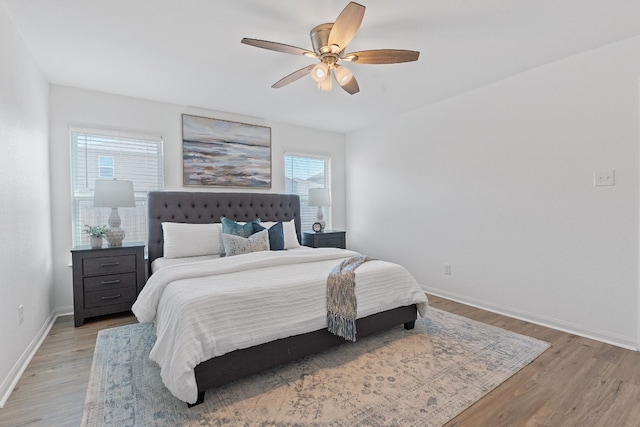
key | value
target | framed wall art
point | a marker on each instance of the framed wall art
(221, 153)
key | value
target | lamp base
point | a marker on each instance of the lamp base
(320, 218)
(115, 237)
(116, 234)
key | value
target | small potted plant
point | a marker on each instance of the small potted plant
(96, 233)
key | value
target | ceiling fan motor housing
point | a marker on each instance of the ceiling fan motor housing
(320, 39)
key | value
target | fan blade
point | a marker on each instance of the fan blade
(293, 77)
(346, 26)
(278, 47)
(350, 86)
(382, 56)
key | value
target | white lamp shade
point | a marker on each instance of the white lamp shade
(112, 193)
(319, 72)
(343, 74)
(325, 84)
(319, 197)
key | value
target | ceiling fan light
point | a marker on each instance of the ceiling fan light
(325, 84)
(319, 72)
(343, 74)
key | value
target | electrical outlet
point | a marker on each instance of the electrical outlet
(604, 178)
(447, 269)
(20, 314)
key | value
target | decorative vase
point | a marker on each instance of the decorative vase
(96, 242)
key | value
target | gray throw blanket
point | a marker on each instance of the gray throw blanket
(342, 307)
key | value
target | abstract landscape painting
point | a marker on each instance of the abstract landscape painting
(221, 153)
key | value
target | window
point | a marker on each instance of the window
(302, 172)
(99, 154)
(105, 167)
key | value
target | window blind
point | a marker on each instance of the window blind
(303, 172)
(98, 154)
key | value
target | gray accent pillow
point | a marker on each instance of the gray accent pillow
(236, 245)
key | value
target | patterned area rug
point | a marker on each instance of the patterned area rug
(422, 377)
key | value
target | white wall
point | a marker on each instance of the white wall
(72, 106)
(25, 221)
(498, 182)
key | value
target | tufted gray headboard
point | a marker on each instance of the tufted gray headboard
(207, 207)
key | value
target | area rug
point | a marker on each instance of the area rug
(422, 377)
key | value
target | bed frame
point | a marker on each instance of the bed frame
(208, 207)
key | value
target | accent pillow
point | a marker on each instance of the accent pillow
(236, 245)
(187, 240)
(230, 226)
(276, 235)
(289, 231)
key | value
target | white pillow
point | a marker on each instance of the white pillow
(289, 231)
(186, 240)
(237, 245)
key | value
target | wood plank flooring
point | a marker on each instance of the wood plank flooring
(52, 389)
(577, 382)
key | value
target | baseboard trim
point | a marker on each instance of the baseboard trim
(10, 382)
(630, 343)
(64, 311)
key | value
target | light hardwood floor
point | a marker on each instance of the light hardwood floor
(577, 382)
(52, 389)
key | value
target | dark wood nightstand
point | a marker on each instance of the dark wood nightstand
(107, 280)
(325, 239)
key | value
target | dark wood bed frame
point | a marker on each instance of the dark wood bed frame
(208, 207)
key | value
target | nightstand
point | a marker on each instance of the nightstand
(107, 280)
(325, 239)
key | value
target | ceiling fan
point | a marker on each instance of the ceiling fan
(329, 42)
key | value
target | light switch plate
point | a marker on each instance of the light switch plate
(604, 178)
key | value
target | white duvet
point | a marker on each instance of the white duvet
(208, 308)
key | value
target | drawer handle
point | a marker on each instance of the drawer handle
(110, 264)
(110, 282)
(112, 297)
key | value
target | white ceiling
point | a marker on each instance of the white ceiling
(188, 52)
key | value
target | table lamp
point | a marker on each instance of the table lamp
(319, 197)
(114, 194)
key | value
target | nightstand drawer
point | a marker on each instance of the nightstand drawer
(325, 239)
(111, 281)
(329, 242)
(109, 297)
(109, 265)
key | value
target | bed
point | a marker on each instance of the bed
(274, 347)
